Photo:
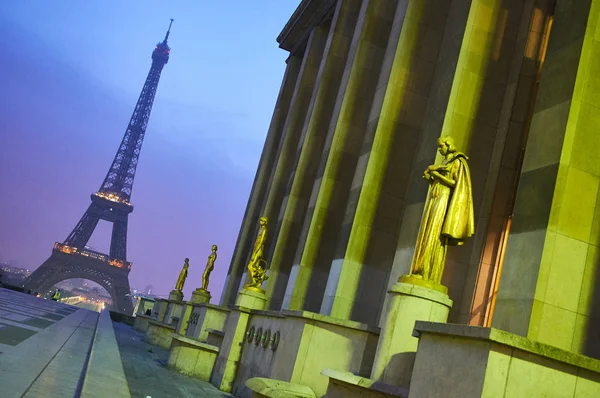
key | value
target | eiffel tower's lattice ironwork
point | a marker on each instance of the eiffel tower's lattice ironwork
(73, 259)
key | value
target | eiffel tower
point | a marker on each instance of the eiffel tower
(72, 258)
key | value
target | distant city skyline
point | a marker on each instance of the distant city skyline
(73, 74)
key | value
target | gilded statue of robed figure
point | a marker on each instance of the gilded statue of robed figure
(182, 275)
(257, 266)
(448, 217)
(210, 265)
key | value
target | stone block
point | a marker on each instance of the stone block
(173, 312)
(348, 385)
(251, 299)
(159, 309)
(200, 296)
(568, 259)
(397, 347)
(159, 334)
(141, 322)
(227, 362)
(104, 363)
(294, 346)
(215, 337)
(269, 388)
(184, 317)
(204, 317)
(144, 304)
(191, 357)
(493, 363)
(175, 295)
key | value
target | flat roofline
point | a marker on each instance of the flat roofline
(307, 15)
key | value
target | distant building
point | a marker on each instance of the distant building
(12, 274)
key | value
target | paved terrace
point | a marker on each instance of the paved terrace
(50, 349)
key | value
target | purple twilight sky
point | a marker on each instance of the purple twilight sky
(71, 72)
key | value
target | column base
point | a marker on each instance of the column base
(200, 296)
(396, 349)
(184, 317)
(251, 299)
(176, 295)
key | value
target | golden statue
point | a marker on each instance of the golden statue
(448, 215)
(256, 270)
(182, 275)
(210, 265)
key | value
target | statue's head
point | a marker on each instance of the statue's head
(186, 261)
(446, 145)
(214, 248)
(263, 221)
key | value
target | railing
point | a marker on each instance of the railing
(113, 262)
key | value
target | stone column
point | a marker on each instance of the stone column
(199, 296)
(354, 101)
(503, 175)
(549, 289)
(261, 180)
(314, 132)
(372, 236)
(396, 348)
(471, 115)
(293, 129)
(230, 352)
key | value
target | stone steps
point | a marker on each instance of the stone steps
(36, 360)
(104, 375)
(77, 356)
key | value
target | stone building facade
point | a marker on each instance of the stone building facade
(368, 89)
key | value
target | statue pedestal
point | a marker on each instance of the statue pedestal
(410, 301)
(200, 296)
(251, 299)
(176, 295)
(159, 309)
(227, 362)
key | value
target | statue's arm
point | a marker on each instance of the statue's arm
(445, 180)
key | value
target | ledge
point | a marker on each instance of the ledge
(331, 320)
(307, 15)
(216, 332)
(241, 309)
(147, 298)
(195, 343)
(105, 371)
(353, 380)
(158, 323)
(508, 339)
(271, 313)
(23, 364)
(316, 317)
(272, 388)
(208, 305)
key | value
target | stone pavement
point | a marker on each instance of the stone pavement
(146, 372)
(50, 349)
(22, 316)
(45, 346)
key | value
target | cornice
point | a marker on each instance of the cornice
(307, 16)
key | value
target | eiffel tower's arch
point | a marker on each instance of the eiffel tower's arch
(63, 265)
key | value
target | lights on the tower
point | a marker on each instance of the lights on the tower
(113, 262)
(112, 197)
(64, 248)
